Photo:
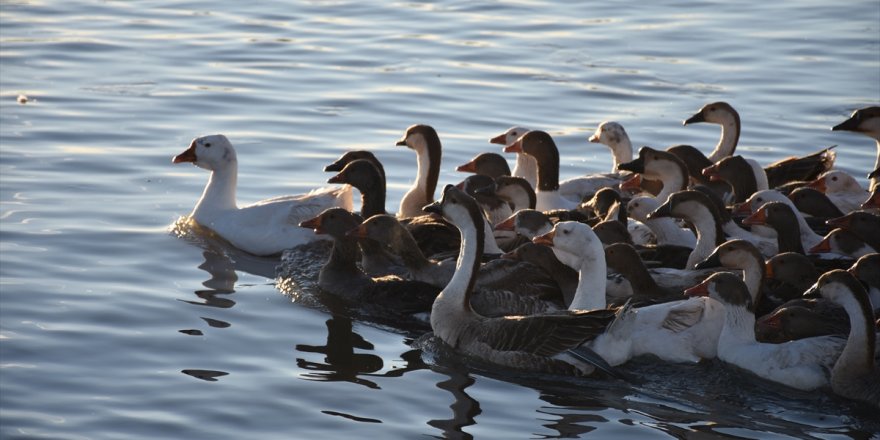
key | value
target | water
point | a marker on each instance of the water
(112, 326)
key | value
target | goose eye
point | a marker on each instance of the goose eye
(834, 179)
(207, 145)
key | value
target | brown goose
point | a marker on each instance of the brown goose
(659, 165)
(843, 242)
(486, 164)
(743, 179)
(369, 180)
(814, 203)
(865, 225)
(867, 270)
(543, 257)
(539, 343)
(353, 155)
(855, 374)
(781, 218)
(698, 210)
(423, 139)
(867, 122)
(516, 191)
(624, 259)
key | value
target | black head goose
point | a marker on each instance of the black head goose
(624, 259)
(867, 122)
(353, 155)
(841, 188)
(843, 242)
(696, 208)
(659, 165)
(516, 191)
(739, 174)
(341, 276)
(855, 373)
(814, 203)
(809, 238)
(867, 270)
(742, 255)
(540, 146)
(363, 175)
(781, 217)
(531, 343)
(864, 224)
(801, 364)
(487, 164)
(422, 139)
(526, 167)
(264, 228)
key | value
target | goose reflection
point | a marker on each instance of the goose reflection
(464, 409)
(341, 361)
(222, 281)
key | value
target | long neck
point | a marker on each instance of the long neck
(674, 179)
(219, 194)
(372, 201)
(788, 237)
(745, 184)
(422, 191)
(458, 291)
(489, 244)
(739, 324)
(343, 260)
(876, 180)
(858, 354)
(621, 152)
(664, 228)
(709, 235)
(753, 276)
(729, 138)
(548, 170)
(527, 168)
(590, 293)
(638, 276)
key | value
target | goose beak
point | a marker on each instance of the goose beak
(402, 142)
(633, 184)
(813, 292)
(818, 185)
(507, 225)
(339, 178)
(839, 222)
(698, 117)
(823, 247)
(712, 173)
(515, 147)
(758, 218)
(433, 208)
(874, 174)
(312, 223)
(501, 139)
(359, 232)
(851, 124)
(546, 239)
(470, 167)
(662, 211)
(187, 156)
(593, 138)
(701, 289)
(768, 271)
(713, 260)
(744, 208)
(333, 167)
(636, 166)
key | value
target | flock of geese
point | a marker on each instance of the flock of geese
(533, 273)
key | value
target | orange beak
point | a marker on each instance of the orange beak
(701, 289)
(470, 167)
(594, 139)
(515, 147)
(187, 156)
(744, 208)
(758, 218)
(633, 184)
(818, 184)
(546, 239)
(501, 139)
(768, 271)
(313, 223)
(507, 225)
(824, 246)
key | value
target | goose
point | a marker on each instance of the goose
(659, 165)
(841, 188)
(761, 236)
(543, 257)
(801, 364)
(814, 203)
(516, 191)
(864, 224)
(678, 331)
(800, 319)
(369, 180)
(855, 373)
(742, 255)
(611, 232)
(352, 155)
(867, 270)
(743, 178)
(264, 228)
(539, 145)
(624, 259)
(843, 242)
(422, 139)
(781, 217)
(790, 274)
(665, 229)
(808, 237)
(486, 164)
(503, 287)
(341, 276)
(865, 121)
(696, 208)
(494, 209)
(612, 135)
(538, 343)
(526, 167)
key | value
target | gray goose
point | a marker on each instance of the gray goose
(423, 139)
(538, 343)
(486, 164)
(867, 122)
(864, 224)
(696, 208)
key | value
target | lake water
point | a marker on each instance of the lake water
(112, 326)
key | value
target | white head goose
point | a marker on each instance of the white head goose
(659, 165)
(855, 374)
(843, 189)
(487, 164)
(532, 343)
(665, 229)
(808, 237)
(612, 135)
(341, 276)
(801, 364)
(843, 242)
(738, 172)
(516, 191)
(867, 122)
(697, 209)
(263, 228)
(526, 167)
(423, 139)
(867, 270)
(579, 241)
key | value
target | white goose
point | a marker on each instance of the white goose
(263, 228)
(802, 364)
(842, 189)
(526, 167)
(665, 229)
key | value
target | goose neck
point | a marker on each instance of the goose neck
(527, 168)
(219, 193)
(621, 152)
(739, 324)
(726, 146)
(590, 293)
(858, 354)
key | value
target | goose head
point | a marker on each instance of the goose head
(601, 202)
(517, 191)
(620, 256)
(487, 164)
(540, 146)
(577, 244)
(382, 228)
(335, 222)
(759, 198)
(459, 209)
(734, 254)
(792, 268)
(351, 156)
(685, 205)
(859, 221)
(510, 136)
(612, 135)
(639, 207)
(714, 113)
(813, 202)
(658, 165)
(361, 174)
(526, 222)
(724, 287)
(841, 287)
(842, 242)
(212, 152)
(836, 181)
(776, 214)
(867, 270)
(864, 120)
(612, 231)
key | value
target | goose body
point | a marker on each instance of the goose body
(266, 227)
(867, 122)
(808, 237)
(665, 229)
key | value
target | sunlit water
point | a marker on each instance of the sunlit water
(114, 325)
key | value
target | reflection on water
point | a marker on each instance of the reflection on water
(341, 363)
(464, 409)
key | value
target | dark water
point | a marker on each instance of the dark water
(113, 326)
